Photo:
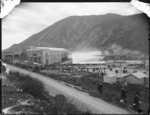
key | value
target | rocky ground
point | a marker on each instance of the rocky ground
(17, 100)
(13, 97)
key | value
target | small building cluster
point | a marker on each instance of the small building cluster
(133, 78)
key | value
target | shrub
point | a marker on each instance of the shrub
(30, 85)
(36, 88)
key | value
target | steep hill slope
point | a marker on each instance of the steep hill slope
(88, 33)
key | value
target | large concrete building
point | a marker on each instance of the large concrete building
(14, 57)
(46, 55)
(41, 55)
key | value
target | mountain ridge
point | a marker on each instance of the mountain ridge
(96, 32)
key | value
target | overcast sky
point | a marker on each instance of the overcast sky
(29, 18)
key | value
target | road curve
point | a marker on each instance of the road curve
(95, 105)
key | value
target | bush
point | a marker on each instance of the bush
(30, 85)
(36, 88)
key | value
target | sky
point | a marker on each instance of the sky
(27, 19)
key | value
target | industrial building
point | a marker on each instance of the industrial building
(12, 57)
(41, 55)
(46, 55)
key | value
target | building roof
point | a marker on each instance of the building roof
(123, 75)
(139, 75)
(51, 48)
(48, 48)
(111, 74)
(36, 63)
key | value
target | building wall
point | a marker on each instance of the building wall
(16, 59)
(3, 56)
(133, 80)
(47, 56)
(108, 79)
(146, 80)
(23, 56)
(9, 59)
(35, 56)
(55, 56)
(8, 56)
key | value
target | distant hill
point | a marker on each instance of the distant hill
(97, 32)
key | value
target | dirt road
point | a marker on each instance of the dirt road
(80, 99)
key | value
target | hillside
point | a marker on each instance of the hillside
(96, 32)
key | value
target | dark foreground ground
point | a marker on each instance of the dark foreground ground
(17, 89)
(111, 93)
